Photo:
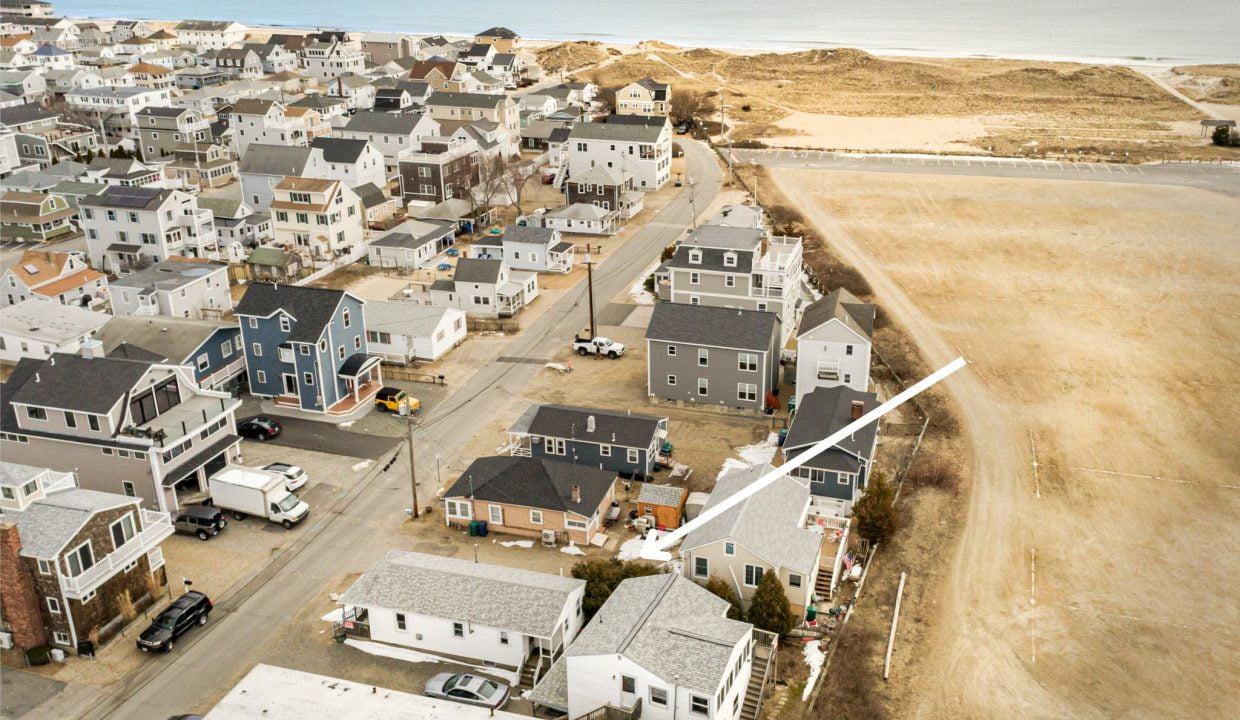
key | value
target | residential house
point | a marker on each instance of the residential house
(606, 188)
(713, 357)
(662, 647)
(28, 8)
(463, 106)
(161, 130)
(271, 123)
(56, 277)
(380, 209)
(523, 247)
(641, 150)
(529, 497)
(500, 38)
(322, 219)
(487, 288)
(837, 477)
(579, 219)
(116, 108)
(25, 82)
(442, 168)
(242, 62)
(767, 532)
(477, 55)
(465, 611)
(138, 427)
(265, 166)
(237, 222)
(392, 133)
(151, 76)
(73, 558)
(273, 264)
(177, 287)
(129, 227)
(50, 57)
(508, 67)
(326, 61)
(124, 172)
(662, 505)
(202, 165)
(412, 243)
(737, 267)
(212, 348)
(834, 343)
(38, 329)
(354, 162)
(384, 47)
(273, 58)
(209, 34)
(42, 138)
(60, 82)
(35, 216)
(306, 348)
(441, 74)
(644, 97)
(622, 443)
(402, 332)
(332, 110)
(355, 90)
(197, 77)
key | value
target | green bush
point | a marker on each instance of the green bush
(602, 577)
(877, 516)
(769, 609)
(721, 588)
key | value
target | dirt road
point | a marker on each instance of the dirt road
(1101, 582)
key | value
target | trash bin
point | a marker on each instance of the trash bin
(58, 655)
(473, 528)
(482, 528)
(783, 435)
(811, 612)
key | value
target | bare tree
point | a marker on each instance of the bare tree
(492, 178)
(518, 172)
(688, 104)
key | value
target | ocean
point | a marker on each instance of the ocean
(1154, 31)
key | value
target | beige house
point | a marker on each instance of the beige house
(644, 97)
(767, 532)
(530, 496)
(500, 38)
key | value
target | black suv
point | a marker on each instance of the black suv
(200, 520)
(189, 610)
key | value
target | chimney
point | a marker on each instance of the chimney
(858, 409)
(91, 348)
(576, 493)
(590, 424)
(17, 594)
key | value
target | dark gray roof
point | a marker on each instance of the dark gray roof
(131, 198)
(534, 482)
(382, 122)
(370, 195)
(125, 351)
(340, 150)
(712, 259)
(610, 428)
(824, 411)
(839, 305)
(657, 88)
(477, 270)
(616, 131)
(498, 32)
(720, 327)
(160, 338)
(528, 234)
(73, 382)
(649, 120)
(460, 99)
(22, 114)
(311, 308)
(170, 112)
(415, 233)
(317, 101)
(263, 159)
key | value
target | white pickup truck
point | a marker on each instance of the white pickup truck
(598, 346)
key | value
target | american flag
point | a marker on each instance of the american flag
(848, 562)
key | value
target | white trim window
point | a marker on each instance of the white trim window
(572, 524)
(703, 388)
(671, 379)
(747, 392)
(753, 575)
(701, 567)
(633, 456)
(671, 351)
(80, 559)
(459, 509)
(45, 567)
(658, 696)
(122, 531)
(60, 638)
(536, 517)
(53, 605)
(401, 624)
(703, 357)
(699, 705)
(556, 446)
(604, 450)
(747, 362)
(729, 548)
(729, 281)
(496, 514)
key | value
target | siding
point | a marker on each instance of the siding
(722, 375)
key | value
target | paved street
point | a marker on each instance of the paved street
(1222, 178)
(349, 535)
(304, 434)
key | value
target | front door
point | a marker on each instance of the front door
(290, 384)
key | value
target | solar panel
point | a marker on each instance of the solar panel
(134, 197)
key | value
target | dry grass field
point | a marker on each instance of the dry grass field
(1101, 324)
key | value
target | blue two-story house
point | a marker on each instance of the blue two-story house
(211, 348)
(306, 348)
(623, 443)
(837, 477)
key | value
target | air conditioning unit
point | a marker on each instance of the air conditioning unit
(6, 641)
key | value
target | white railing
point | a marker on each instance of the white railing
(146, 310)
(156, 526)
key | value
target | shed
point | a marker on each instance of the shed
(665, 503)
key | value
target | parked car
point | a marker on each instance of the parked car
(258, 427)
(294, 476)
(683, 127)
(202, 520)
(598, 346)
(390, 398)
(469, 689)
(189, 610)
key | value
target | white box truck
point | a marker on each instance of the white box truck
(251, 491)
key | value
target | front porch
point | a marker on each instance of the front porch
(363, 376)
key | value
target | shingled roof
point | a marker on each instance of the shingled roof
(312, 308)
(534, 483)
(712, 326)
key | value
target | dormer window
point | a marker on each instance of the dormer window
(695, 257)
(729, 259)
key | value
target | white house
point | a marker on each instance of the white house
(58, 277)
(265, 166)
(580, 218)
(475, 612)
(327, 61)
(128, 227)
(320, 218)
(37, 329)
(271, 123)
(412, 243)
(209, 34)
(402, 332)
(660, 640)
(834, 343)
(353, 162)
(177, 287)
(488, 288)
(117, 107)
(642, 149)
(392, 133)
(540, 249)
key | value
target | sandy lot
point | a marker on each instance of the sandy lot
(1100, 321)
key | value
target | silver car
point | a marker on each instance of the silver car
(294, 476)
(470, 689)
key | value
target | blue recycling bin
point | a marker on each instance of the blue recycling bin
(482, 528)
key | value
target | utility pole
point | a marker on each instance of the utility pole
(413, 471)
(589, 263)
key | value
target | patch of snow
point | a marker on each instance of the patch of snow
(679, 469)
(559, 367)
(415, 656)
(571, 549)
(731, 464)
(347, 423)
(631, 549)
(638, 292)
(527, 544)
(760, 453)
(814, 657)
(334, 616)
(358, 467)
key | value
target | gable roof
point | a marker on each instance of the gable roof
(311, 308)
(502, 597)
(610, 427)
(413, 234)
(534, 482)
(839, 305)
(269, 255)
(528, 235)
(623, 132)
(49, 523)
(404, 318)
(260, 159)
(340, 150)
(73, 382)
(383, 122)
(498, 32)
(719, 327)
(823, 411)
(477, 270)
(769, 523)
(442, 98)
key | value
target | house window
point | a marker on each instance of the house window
(357, 342)
(628, 684)
(556, 446)
(36, 413)
(256, 350)
(699, 705)
(503, 638)
(633, 456)
(536, 517)
(458, 509)
(729, 260)
(701, 567)
(80, 559)
(847, 378)
(729, 281)
(203, 361)
(285, 324)
(729, 548)
(129, 488)
(262, 377)
(345, 317)
(794, 580)
(671, 379)
(307, 378)
(658, 696)
(45, 567)
(703, 357)
(340, 352)
(70, 419)
(747, 392)
(671, 351)
(695, 257)
(60, 638)
(53, 606)
(695, 278)
(122, 531)
(400, 621)
(747, 362)
(848, 349)
(458, 630)
(496, 513)
(604, 450)
(753, 575)
(703, 386)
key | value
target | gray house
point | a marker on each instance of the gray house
(624, 443)
(485, 288)
(540, 249)
(264, 166)
(722, 357)
(412, 243)
(838, 476)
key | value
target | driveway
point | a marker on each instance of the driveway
(22, 692)
(303, 434)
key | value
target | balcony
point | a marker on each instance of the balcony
(188, 417)
(783, 253)
(156, 527)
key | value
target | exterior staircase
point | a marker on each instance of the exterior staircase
(529, 673)
(822, 586)
(760, 676)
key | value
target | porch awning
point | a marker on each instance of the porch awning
(124, 248)
(357, 364)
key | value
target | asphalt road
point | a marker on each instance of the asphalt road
(1221, 178)
(303, 434)
(250, 620)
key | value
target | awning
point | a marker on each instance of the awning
(357, 364)
(202, 457)
(124, 248)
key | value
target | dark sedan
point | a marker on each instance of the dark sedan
(258, 428)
